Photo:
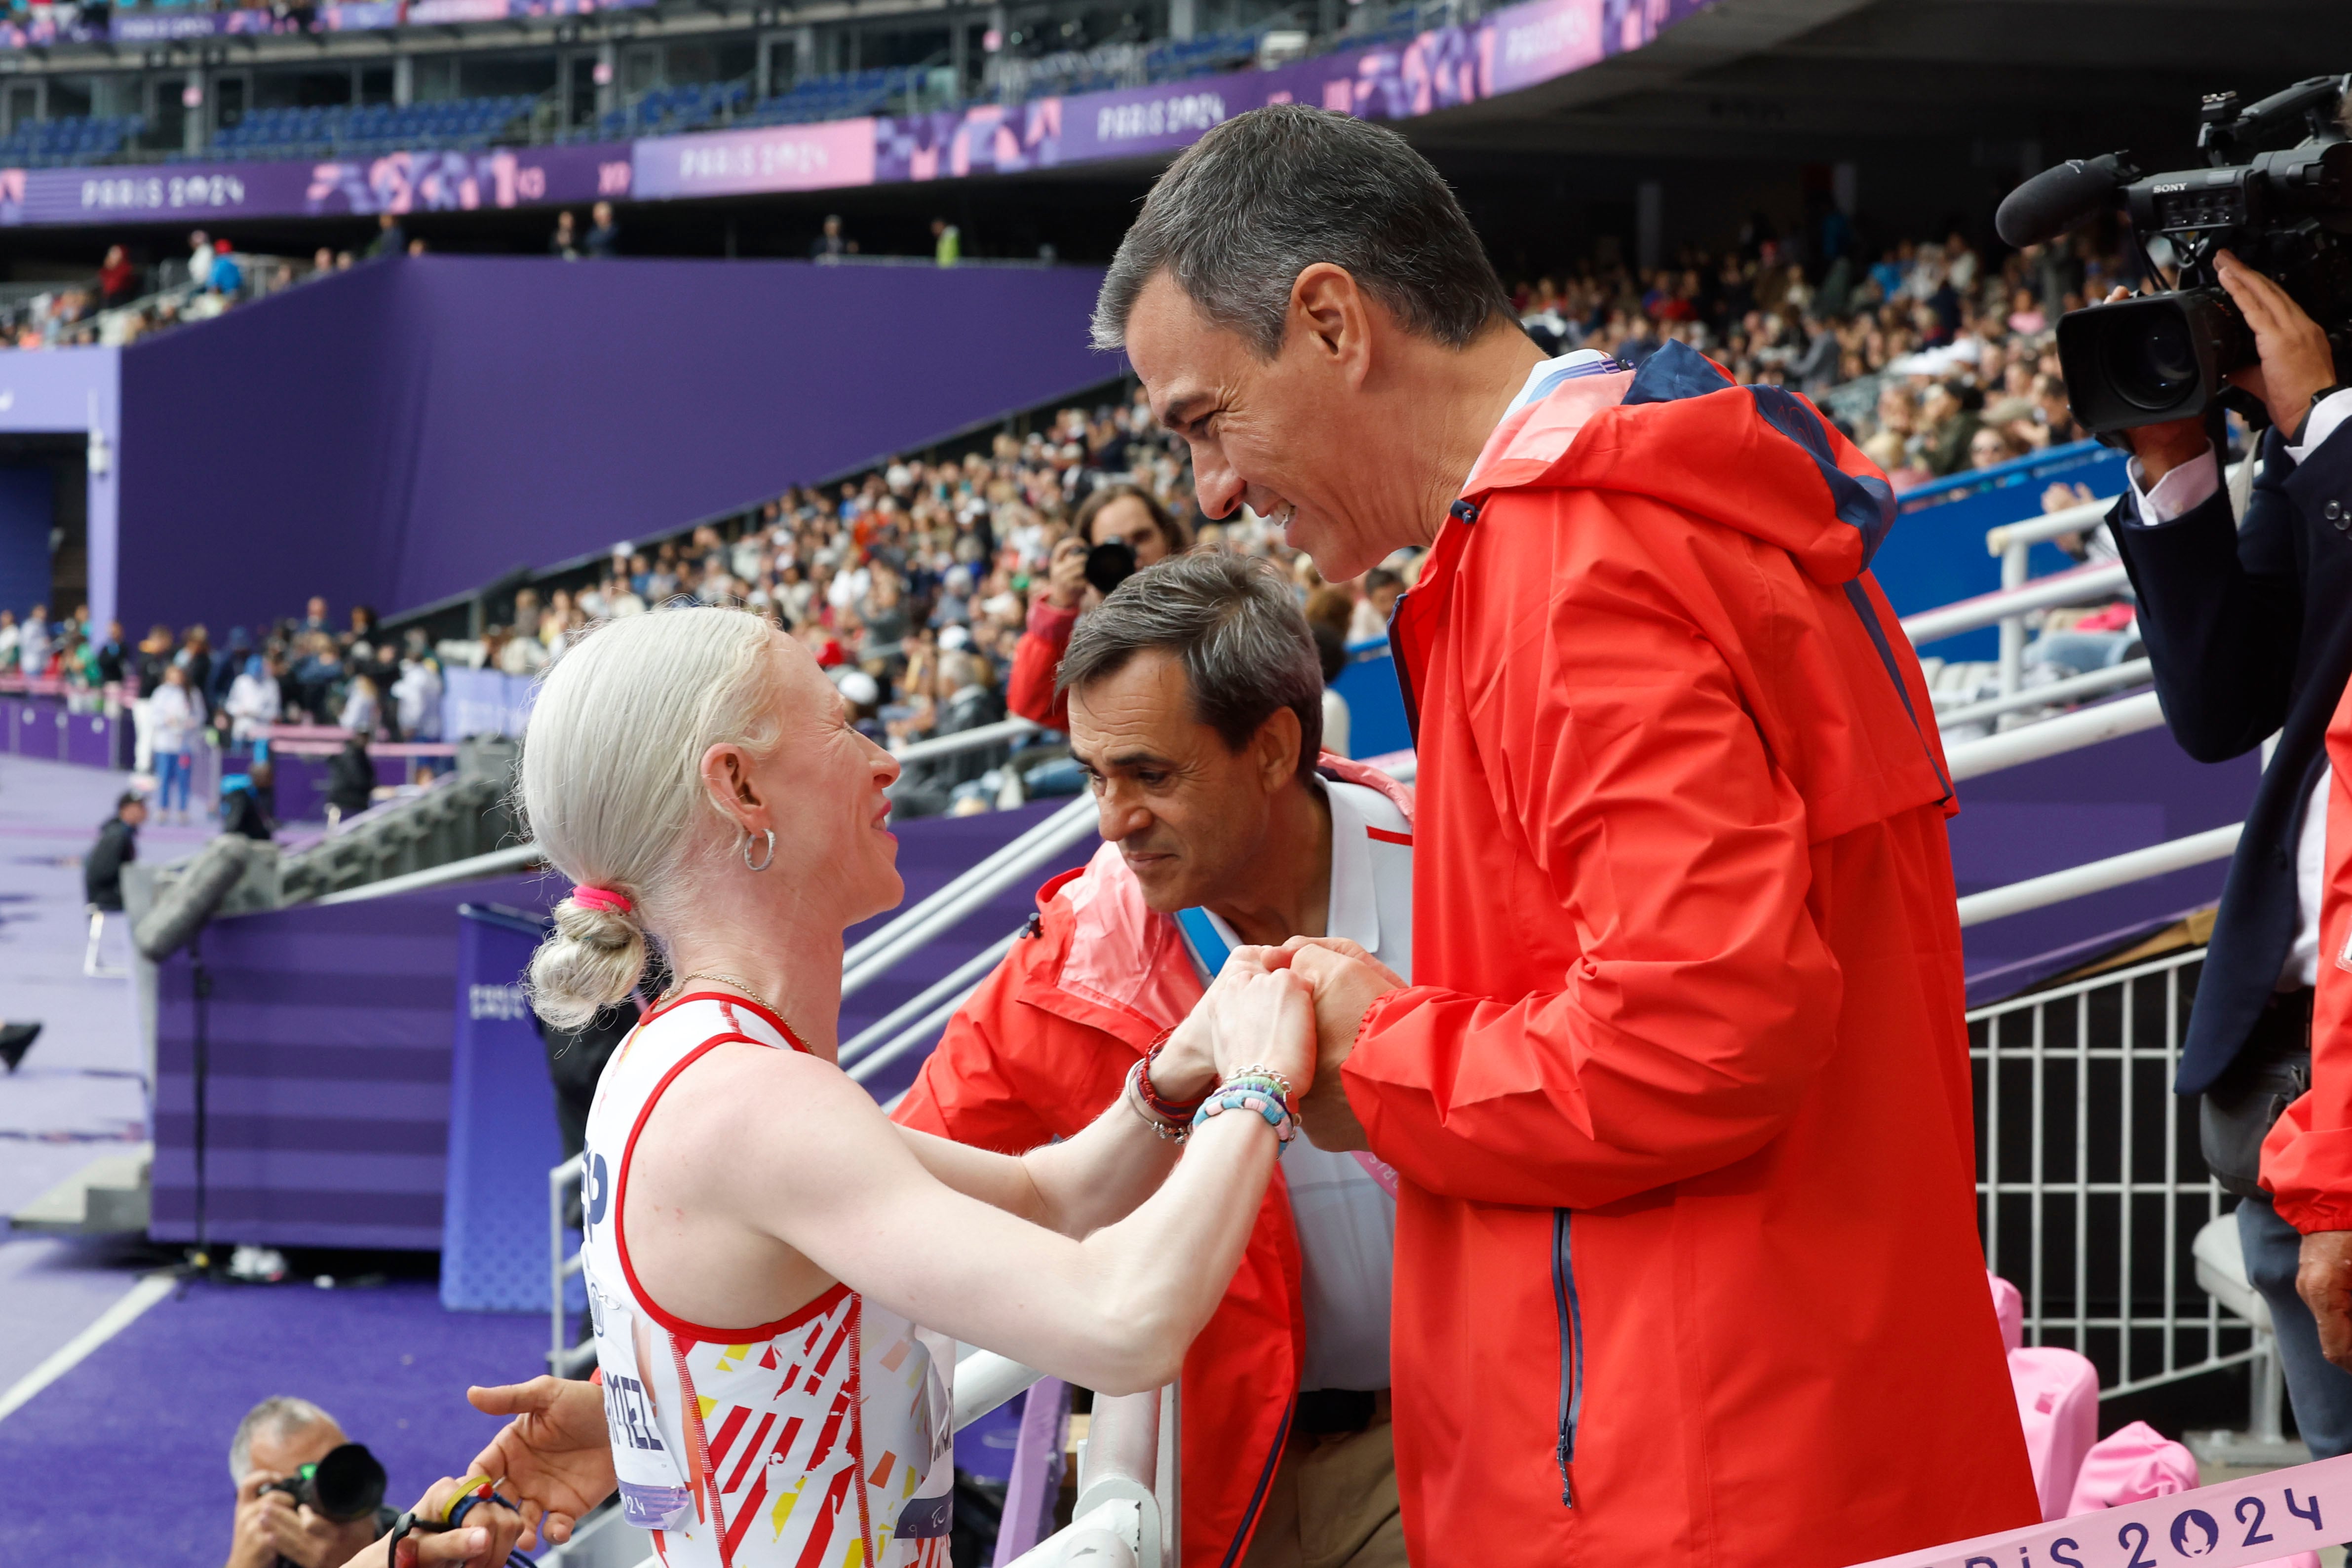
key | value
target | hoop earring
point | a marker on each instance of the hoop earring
(766, 861)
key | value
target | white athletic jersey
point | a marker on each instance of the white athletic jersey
(822, 1441)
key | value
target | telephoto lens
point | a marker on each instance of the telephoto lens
(1108, 564)
(2141, 361)
(348, 1484)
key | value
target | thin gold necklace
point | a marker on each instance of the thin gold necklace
(741, 985)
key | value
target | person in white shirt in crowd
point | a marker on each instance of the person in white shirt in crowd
(33, 642)
(416, 694)
(9, 634)
(362, 710)
(173, 716)
(253, 700)
(1195, 707)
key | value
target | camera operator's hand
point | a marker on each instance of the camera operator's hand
(271, 1525)
(555, 1454)
(1066, 573)
(2324, 1280)
(2297, 361)
(263, 1520)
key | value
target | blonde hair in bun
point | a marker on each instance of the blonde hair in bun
(611, 784)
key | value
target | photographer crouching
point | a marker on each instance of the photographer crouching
(306, 1497)
(2249, 627)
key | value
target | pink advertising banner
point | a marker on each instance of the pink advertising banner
(771, 158)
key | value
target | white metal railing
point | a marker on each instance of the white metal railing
(563, 1358)
(2076, 586)
(965, 740)
(896, 1033)
(2091, 1191)
(951, 904)
(2066, 732)
(2098, 876)
(2072, 688)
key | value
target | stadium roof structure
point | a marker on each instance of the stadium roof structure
(1799, 80)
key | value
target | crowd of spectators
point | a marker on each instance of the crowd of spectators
(183, 690)
(127, 302)
(917, 583)
(1934, 358)
(914, 584)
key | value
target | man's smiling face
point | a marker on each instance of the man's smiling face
(1270, 434)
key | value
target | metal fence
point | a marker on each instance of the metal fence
(2091, 1190)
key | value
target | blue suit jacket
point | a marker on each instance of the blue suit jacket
(2250, 632)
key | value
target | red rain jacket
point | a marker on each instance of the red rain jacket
(2307, 1157)
(1687, 1268)
(1042, 1047)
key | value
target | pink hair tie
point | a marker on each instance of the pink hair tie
(600, 898)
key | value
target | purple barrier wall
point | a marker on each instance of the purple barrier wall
(2082, 806)
(430, 422)
(329, 1033)
(41, 728)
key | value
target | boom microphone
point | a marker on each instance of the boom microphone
(2057, 199)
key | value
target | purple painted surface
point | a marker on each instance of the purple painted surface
(160, 1401)
(439, 419)
(2082, 806)
(330, 1036)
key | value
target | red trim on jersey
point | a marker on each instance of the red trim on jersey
(825, 1302)
(1386, 837)
(767, 1013)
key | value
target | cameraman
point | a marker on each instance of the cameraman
(2250, 632)
(1115, 514)
(275, 1440)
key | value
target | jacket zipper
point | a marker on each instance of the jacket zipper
(1257, 1496)
(1572, 1351)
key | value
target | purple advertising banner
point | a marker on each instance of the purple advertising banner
(395, 182)
(175, 24)
(1443, 68)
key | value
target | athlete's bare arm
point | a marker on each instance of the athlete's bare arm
(1082, 1183)
(762, 1176)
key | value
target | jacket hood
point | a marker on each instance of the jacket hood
(1760, 459)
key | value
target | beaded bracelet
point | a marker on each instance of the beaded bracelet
(1169, 1118)
(1267, 1093)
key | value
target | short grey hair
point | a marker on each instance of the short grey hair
(280, 1415)
(1236, 627)
(1264, 196)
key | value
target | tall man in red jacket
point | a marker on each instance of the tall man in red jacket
(1687, 1270)
(1195, 704)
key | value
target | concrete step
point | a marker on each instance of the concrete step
(108, 1196)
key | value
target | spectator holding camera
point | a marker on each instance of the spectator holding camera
(309, 1497)
(2250, 632)
(1115, 514)
(274, 1524)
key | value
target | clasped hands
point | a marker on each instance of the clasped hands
(1296, 1009)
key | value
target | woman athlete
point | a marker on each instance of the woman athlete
(775, 1270)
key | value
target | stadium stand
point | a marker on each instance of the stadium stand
(83, 139)
(462, 124)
